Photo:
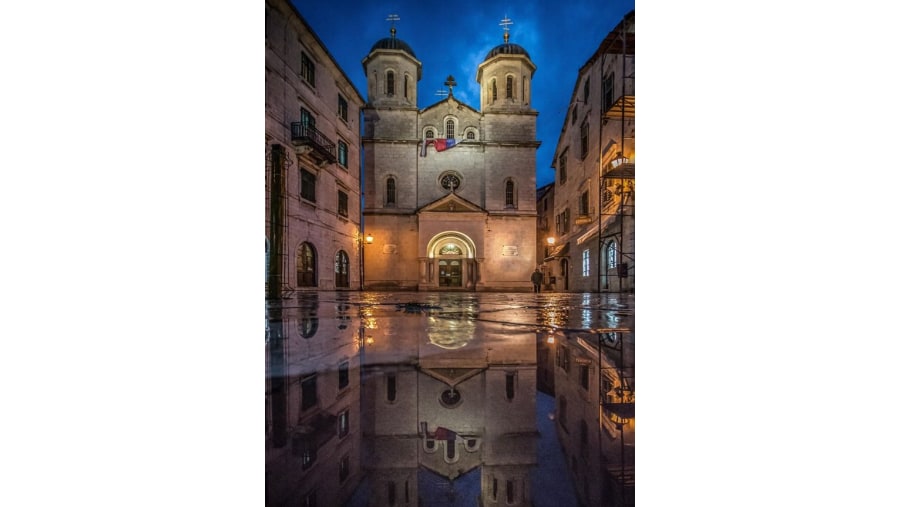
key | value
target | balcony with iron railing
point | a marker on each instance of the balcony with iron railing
(306, 139)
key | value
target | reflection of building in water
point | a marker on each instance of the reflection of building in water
(456, 400)
(594, 375)
(312, 403)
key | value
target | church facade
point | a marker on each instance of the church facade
(449, 190)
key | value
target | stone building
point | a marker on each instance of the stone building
(312, 161)
(595, 167)
(449, 189)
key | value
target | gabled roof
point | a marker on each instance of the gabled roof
(451, 203)
(451, 100)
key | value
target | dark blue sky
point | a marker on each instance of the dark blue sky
(447, 39)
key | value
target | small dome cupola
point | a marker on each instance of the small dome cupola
(393, 42)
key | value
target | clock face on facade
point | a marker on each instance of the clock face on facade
(450, 181)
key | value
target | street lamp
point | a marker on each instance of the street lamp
(551, 240)
(369, 239)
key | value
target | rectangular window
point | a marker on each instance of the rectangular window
(344, 423)
(342, 107)
(584, 204)
(342, 204)
(608, 90)
(509, 87)
(307, 185)
(510, 385)
(562, 166)
(585, 126)
(586, 263)
(304, 447)
(562, 358)
(566, 221)
(307, 119)
(342, 154)
(308, 392)
(307, 69)
(587, 89)
(344, 374)
(450, 128)
(585, 377)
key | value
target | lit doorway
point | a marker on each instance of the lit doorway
(450, 273)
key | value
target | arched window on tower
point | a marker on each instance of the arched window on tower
(509, 87)
(405, 86)
(390, 193)
(390, 82)
(510, 197)
(493, 90)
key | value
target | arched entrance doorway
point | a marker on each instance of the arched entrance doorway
(451, 261)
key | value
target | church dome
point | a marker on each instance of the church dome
(393, 43)
(507, 48)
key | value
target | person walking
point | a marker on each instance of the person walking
(536, 278)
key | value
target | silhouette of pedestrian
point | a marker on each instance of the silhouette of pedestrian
(536, 278)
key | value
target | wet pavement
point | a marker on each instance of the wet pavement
(377, 398)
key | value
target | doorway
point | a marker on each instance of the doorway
(450, 273)
(564, 272)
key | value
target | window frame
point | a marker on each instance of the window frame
(343, 154)
(307, 185)
(390, 191)
(307, 69)
(343, 107)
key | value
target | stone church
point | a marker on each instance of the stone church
(449, 190)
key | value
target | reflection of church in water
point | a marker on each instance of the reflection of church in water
(448, 414)
(449, 190)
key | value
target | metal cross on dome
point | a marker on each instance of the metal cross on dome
(392, 18)
(505, 22)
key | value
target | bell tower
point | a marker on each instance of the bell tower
(392, 72)
(505, 77)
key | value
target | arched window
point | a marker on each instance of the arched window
(509, 87)
(306, 265)
(510, 194)
(429, 134)
(390, 193)
(493, 90)
(611, 255)
(405, 86)
(470, 135)
(390, 82)
(341, 269)
(450, 129)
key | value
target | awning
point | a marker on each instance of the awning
(560, 251)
